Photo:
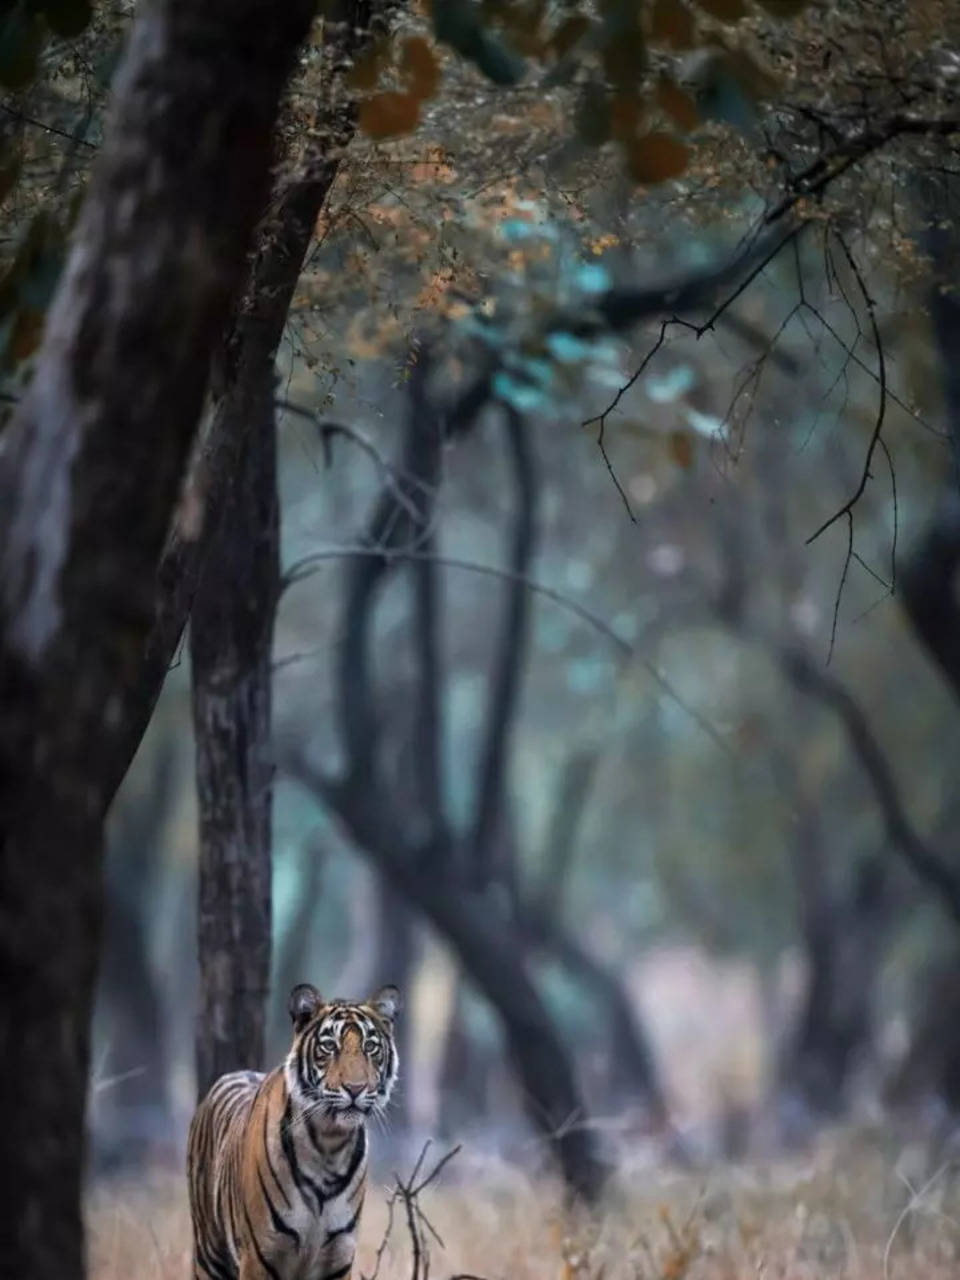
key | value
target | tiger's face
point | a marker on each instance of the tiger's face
(343, 1061)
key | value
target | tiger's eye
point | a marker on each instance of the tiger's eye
(326, 1044)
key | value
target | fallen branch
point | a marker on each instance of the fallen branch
(418, 1224)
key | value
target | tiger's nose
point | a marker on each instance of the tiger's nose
(354, 1090)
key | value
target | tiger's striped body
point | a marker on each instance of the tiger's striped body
(277, 1163)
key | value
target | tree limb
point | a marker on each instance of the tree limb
(509, 659)
(814, 680)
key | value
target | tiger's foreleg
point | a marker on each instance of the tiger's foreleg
(254, 1268)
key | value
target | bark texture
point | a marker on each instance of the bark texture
(248, 346)
(232, 589)
(231, 640)
(89, 477)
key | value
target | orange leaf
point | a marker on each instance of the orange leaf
(680, 447)
(419, 65)
(677, 104)
(389, 115)
(655, 157)
(672, 23)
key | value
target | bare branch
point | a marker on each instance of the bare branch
(847, 508)
(76, 139)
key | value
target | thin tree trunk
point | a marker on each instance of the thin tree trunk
(233, 613)
(231, 641)
(930, 576)
(89, 477)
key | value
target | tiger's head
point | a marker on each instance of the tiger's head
(343, 1060)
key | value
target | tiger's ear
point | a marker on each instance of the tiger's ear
(304, 1002)
(386, 1002)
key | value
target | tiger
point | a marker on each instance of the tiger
(277, 1163)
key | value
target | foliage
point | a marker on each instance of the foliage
(56, 58)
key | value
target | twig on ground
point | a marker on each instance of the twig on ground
(418, 1224)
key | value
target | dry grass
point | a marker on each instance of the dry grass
(852, 1210)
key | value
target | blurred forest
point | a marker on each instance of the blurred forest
(479, 504)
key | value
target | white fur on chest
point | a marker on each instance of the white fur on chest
(325, 1246)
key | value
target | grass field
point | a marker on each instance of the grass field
(855, 1209)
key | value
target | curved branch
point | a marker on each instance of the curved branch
(510, 657)
(847, 508)
(576, 778)
(397, 529)
(810, 678)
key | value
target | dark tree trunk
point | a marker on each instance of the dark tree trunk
(231, 641)
(845, 944)
(250, 338)
(930, 590)
(89, 478)
(233, 612)
(844, 924)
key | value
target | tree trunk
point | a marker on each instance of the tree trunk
(89, 477)
(844, 953)
(231, 641)
(844, 922)
(233, 613)
(930, 577)
(250, 337)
